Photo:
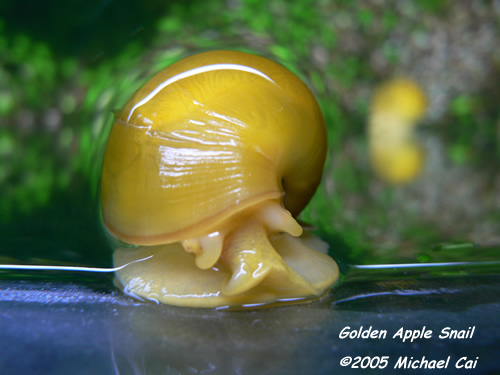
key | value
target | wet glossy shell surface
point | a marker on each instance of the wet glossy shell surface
(206, 138)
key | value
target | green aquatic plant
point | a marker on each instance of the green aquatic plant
(56, 107)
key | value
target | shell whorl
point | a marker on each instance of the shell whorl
(208, 137)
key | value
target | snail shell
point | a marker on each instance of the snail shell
(206, 167)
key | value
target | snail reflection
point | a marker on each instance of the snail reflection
(395, 154)
(206, 169)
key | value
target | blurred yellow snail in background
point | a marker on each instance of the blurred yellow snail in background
(397, 106)
(206, 168)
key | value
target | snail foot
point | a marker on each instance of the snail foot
(260, 257)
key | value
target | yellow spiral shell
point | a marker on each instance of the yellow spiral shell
(205, 154)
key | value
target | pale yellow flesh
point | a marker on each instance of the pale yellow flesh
(254, 268)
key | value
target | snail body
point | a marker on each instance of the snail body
(206, 167)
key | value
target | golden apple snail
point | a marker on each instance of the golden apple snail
(205, 169)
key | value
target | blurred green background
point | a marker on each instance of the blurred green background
(65, 66)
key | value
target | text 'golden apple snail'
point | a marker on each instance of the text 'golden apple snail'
(205, 169)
